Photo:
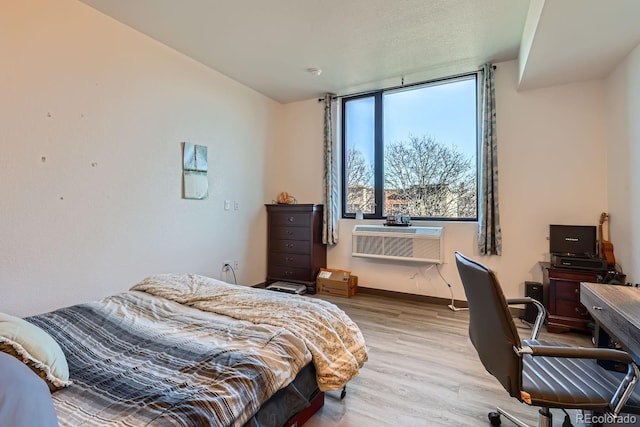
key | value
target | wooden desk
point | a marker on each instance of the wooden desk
(616, 309)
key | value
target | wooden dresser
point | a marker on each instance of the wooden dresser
(565, 310)
(295, 252)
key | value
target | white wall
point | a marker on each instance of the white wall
(93, 114)
(297, 160)
(107, 108)
(623, 136)
(552, 160)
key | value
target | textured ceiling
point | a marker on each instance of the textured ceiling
(269, 45)
(365, 44)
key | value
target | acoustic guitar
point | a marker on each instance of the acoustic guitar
(606, 248)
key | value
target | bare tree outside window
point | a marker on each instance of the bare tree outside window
(360, 196)
(424, 178)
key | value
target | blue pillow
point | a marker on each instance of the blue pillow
(25, 400)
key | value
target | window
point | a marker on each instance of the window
(412, 151)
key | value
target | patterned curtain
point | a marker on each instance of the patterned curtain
(489, 232)
(331, 183)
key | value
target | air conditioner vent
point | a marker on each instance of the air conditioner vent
(420, 244)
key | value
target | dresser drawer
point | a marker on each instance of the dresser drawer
(291, 260)
(289, 273)
(290, 246)
(291, 233)
(567, 290)
(571, 309)
(290, 219)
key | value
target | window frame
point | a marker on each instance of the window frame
(378, 163)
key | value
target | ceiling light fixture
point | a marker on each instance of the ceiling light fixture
(314, 71)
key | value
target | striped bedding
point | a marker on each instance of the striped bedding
(161, 354)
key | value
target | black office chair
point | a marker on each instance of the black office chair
(544, 374)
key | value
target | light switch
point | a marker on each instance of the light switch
(227, 205)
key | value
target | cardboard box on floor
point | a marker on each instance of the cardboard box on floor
(339, 283)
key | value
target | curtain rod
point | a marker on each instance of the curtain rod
(402, 86)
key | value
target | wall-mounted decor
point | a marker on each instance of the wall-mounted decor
(194, 171)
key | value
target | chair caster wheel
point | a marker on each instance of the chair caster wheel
(494, 418)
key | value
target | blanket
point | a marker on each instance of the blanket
(136, 359)
(336, 343)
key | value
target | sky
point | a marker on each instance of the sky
(445, 112)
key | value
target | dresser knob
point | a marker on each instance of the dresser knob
(290, 219)
(576, 290)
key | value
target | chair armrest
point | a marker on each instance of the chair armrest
(520, 300)
(577, 353)
(542, 313)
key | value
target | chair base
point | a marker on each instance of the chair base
(545, 418)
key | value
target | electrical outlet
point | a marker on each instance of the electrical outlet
(235, 264)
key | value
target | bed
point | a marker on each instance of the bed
(187, 350)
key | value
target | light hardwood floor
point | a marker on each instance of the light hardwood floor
(422, 370)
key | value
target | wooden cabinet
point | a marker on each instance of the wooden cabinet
(295, 252)
(565, 310)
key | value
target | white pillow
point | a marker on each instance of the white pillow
(36, 349)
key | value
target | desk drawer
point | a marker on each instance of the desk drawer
(573, 309)
(605, 315)
(616, 309)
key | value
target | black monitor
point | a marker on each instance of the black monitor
(572, 240)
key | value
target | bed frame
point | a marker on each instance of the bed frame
(298, 420)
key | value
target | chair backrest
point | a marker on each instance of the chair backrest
(491, 327)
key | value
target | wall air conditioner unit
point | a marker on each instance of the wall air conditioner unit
(421, 244)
